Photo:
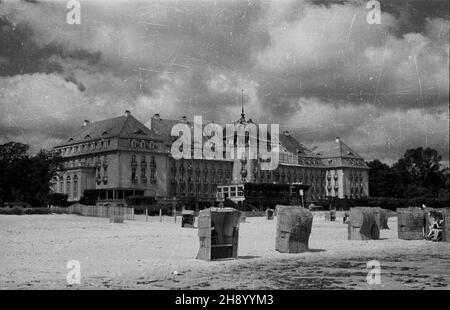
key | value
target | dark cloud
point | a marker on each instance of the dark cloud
(25, 56)
(316, 67)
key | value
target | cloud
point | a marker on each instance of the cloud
(333, 52)
(315, 66)
(371, 132)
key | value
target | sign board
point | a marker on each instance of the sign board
(300, 192)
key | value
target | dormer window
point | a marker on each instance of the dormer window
(104, 133)
(71, 139)
(139, 132)
(87, 137)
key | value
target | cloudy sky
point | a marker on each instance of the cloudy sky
(315, 67)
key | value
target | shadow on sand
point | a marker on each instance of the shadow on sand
(316, 250)
(248, 257)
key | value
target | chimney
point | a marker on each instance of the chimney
(86, 122)
(286, 133)
(127, 113)
(156, 117)
(184, 119)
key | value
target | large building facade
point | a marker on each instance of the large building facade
(122, 157)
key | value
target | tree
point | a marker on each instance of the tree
(381, 183)
(24, 177)
(420, 167)
(13, 156)
(417, 174)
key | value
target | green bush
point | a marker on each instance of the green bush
(38, 211)
(384, 202)
(12, 211)
(58, 199)
(28, 211)
(89, 197)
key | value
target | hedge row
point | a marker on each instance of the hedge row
(385, 203)
(21, 211)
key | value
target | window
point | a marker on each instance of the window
(240, 191)
(152, 169)
(75, 187)
(68, 183)
(143, 170)
(105, 163)
(233, 191)
(133, 174)
(61, 184)
(226, 192)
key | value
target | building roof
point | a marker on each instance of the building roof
(163, 127)
(288, 142)
(336, 148)
(293, 146)
(126, 126)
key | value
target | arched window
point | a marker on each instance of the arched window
(75, 187)
(68, 187)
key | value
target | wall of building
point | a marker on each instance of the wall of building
(143, 171)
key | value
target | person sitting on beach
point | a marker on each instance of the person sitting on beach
(346, 216)
(435, 233)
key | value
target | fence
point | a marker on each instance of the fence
(96, 211)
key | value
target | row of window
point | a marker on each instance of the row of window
(309, 161)
(143, 144)
(68, 186)
(90, 161)
(182, 188)
(85, 147)
(276, 175)
(355, 162)
(143, 169)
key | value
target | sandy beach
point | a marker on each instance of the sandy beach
(35, 249)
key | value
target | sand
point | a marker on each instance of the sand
(35, 249)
